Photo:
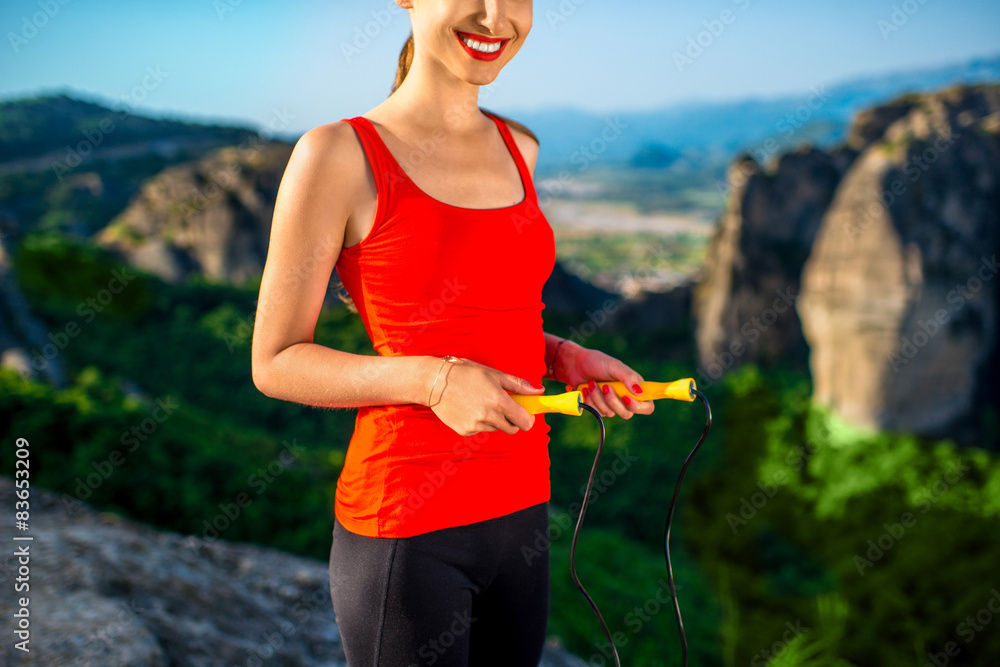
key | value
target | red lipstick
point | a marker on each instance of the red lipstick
(479, 55)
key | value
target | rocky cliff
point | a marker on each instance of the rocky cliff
(899, 297)
(879, 255)
(105, 590)
(211, 217)
(744, 306)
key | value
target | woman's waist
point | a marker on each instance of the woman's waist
(515, 352)
(420, 319)
(417, 435)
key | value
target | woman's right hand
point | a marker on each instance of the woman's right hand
(471, 398)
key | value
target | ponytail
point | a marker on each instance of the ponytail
(405, 60)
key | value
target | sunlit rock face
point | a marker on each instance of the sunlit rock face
(745, 304)
(875, 262)
(899, 296)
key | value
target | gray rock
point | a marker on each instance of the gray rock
(744, 304)
(899, 299)
(106, 590)
(211, 217)
(879, 244)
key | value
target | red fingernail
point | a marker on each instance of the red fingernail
(593, 385)
(626, 400)
(536, 386)
(606, 390)
(584, 392)
(636, 389)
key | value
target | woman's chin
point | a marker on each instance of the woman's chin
(481, 78)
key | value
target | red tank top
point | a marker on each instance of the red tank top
(435, 279)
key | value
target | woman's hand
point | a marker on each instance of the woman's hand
(470, 398)
(593, 367)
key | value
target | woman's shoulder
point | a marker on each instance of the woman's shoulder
(331, 158)
(526, 140)
(335, 146)
(336, 135)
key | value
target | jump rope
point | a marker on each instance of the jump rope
(571, 403)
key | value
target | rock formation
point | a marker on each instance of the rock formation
(886, 247)
(744, 306)
(899, 300)
(106, 590)
(211, 217)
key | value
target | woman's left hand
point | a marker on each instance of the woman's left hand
(597, 368)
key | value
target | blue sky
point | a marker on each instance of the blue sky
(300, 64)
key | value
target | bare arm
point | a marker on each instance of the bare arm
(325, 176)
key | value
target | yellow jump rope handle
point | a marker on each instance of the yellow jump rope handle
(570, 403)
(567, 404)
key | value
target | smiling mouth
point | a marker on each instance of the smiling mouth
(482, 48)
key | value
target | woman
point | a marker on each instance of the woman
(425, 207)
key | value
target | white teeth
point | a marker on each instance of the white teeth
(482, 47)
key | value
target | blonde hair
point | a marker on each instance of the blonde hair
(405, 60)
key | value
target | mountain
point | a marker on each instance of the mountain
(210, 217)
(71, 165)
(54, 128)
(877, 259)
(574, 139)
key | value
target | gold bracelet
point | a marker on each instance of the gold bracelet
(447, 359)
(552, 368)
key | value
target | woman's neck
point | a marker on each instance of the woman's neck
(432, 97)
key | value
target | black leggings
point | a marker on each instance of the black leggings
(454, 597)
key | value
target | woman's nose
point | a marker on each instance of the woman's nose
(494, 16)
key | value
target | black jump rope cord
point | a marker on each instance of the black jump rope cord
(666, 537)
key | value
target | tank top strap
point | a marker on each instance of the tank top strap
(382, 162)
(522, 166)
